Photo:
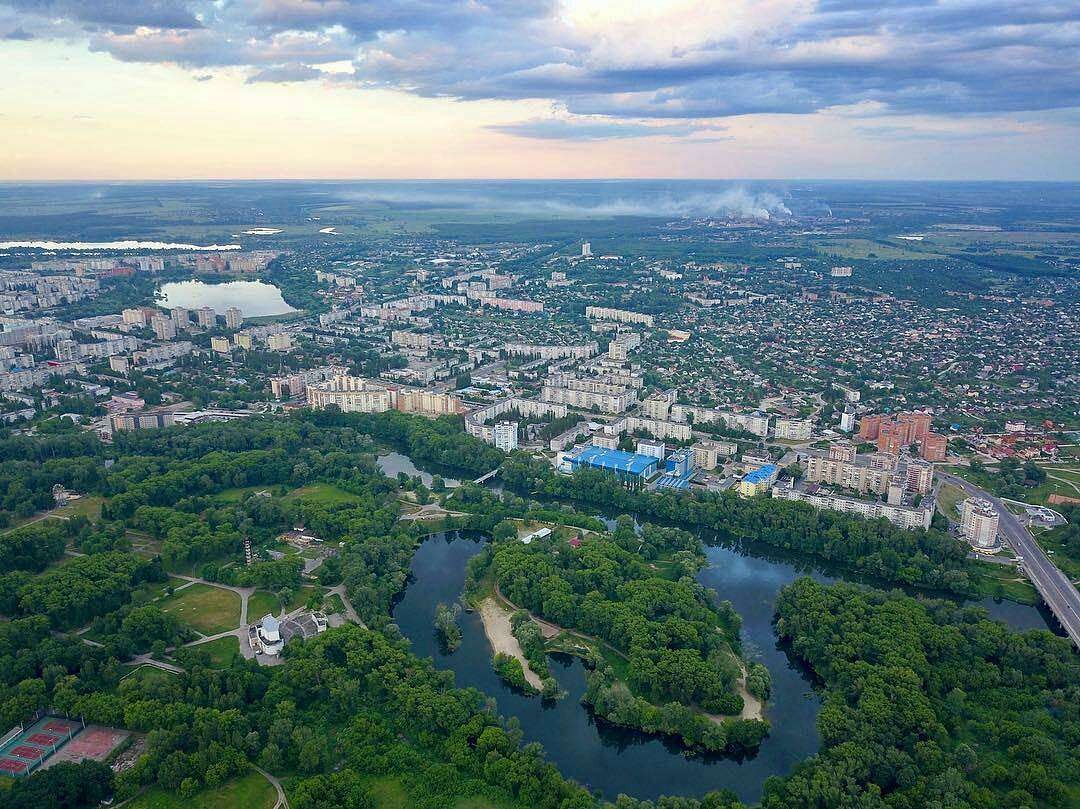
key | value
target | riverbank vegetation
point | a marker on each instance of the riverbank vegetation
(929, 704)
(446, 627)
(925, 703)
(674, 654)
(930, 559)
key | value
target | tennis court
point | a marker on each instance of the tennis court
(94, 742)
(25, 749)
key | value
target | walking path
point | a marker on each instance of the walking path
(350, 613)
(282, 801)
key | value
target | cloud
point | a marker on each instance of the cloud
(207, 47)
(285, 73)
(17, 35)
(666, 59)
(591, 129)
(112, 13)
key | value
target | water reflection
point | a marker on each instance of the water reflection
(392, 463)
(253, 298)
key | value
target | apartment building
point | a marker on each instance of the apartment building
(793, 429)
(618, 315)
(901, 516)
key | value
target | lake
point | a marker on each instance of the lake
(253, 298)
(392, 463)
(614, 760)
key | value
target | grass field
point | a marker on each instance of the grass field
(866, 248)
(207, 609)
(89, 507)
(322, 493)
(250, 791)
(221, 651)
(1001, 581)
(261, 603)
(949, 498)
(149, 674)
(301, 597)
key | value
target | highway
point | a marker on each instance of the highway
(1055, 588)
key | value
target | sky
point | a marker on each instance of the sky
(449, 89)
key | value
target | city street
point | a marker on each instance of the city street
(1056, 590)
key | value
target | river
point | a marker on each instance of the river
(613, 760)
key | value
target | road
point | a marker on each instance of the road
(1054, 586)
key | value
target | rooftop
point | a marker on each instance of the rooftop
(616, 460)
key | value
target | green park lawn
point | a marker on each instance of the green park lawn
(261, 603)
(250, 791)
(207, 609)
(322, 493)
(221, 651)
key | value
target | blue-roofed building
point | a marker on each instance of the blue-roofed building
(623, 464)
(759, 480)
(678, 471)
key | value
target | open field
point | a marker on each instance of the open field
(221, 651)
(322, 493)
(149, 674)
(250, 791)
(867, 248)
(207, 609)
(260, 603)
(949, 499)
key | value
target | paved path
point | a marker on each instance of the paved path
(1054, 586)
(350, 613)
(147, 660)
(282, 801)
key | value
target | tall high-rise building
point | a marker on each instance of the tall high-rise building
(505, 436)
(164, 328)
(979, 523)
(842, 451)
(934, 447)
(893, 437)
(207, 317)
(847, 419)
(919, 477)
(869, 427)
(586, 249)
(234, 318)
(918, 423)
(180, 318)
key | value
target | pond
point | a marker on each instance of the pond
(391, 463)
(253, 298)
(613, 760)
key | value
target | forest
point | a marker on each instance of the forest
(925, 703)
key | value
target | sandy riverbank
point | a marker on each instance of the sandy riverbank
(501, 637)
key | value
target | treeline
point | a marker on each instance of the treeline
(929, 704)
(85, 587)
(440, 442)
(33, 547)
(873, 547)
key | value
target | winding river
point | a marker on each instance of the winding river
(612, 760)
